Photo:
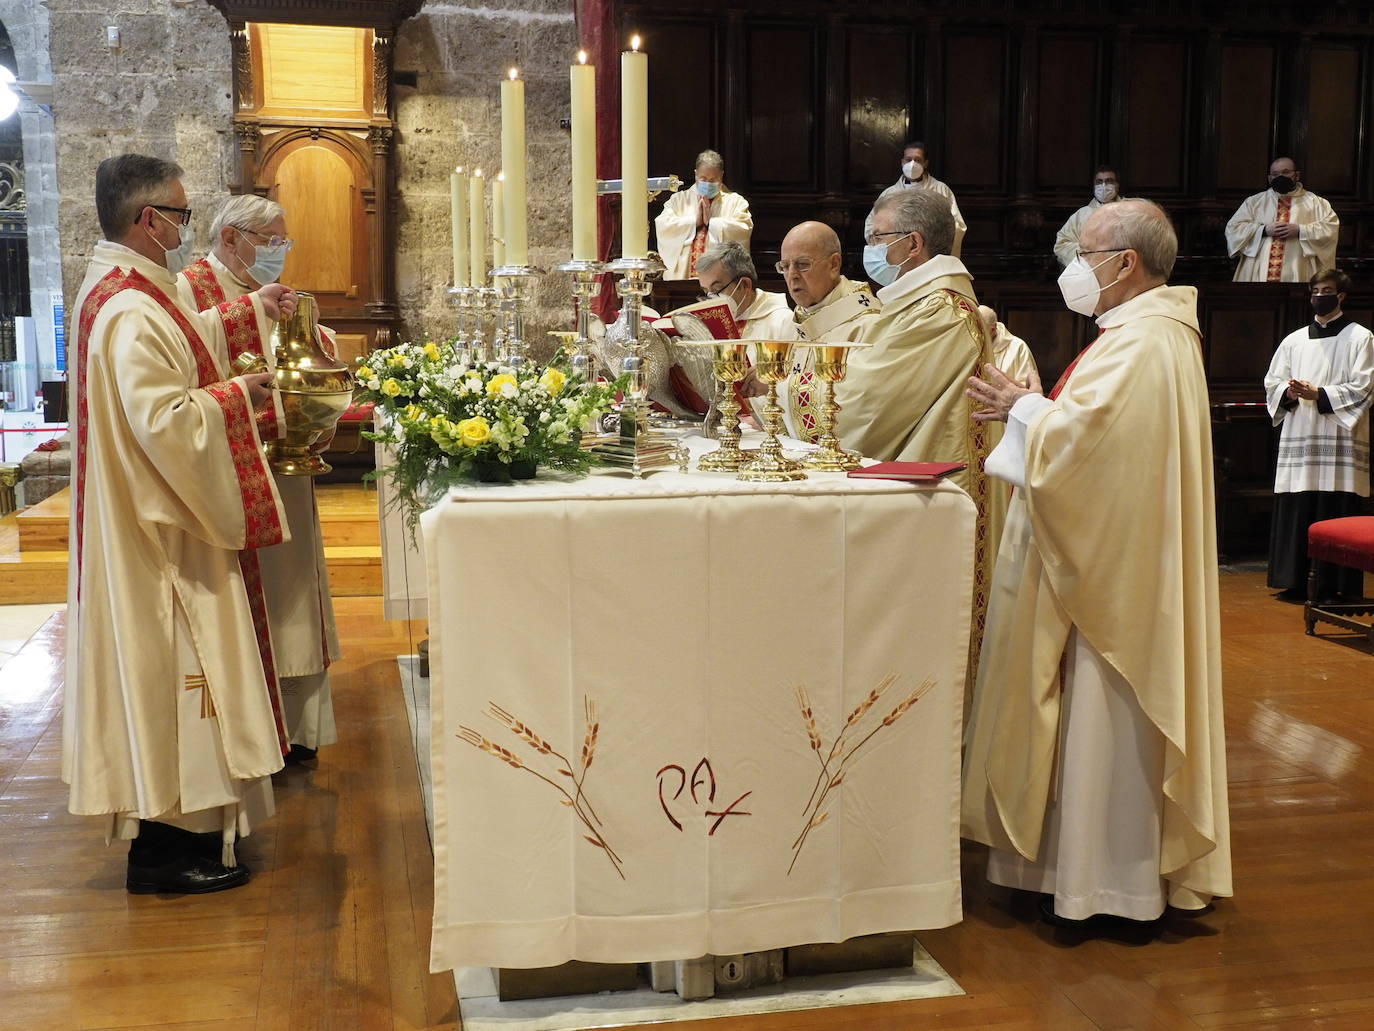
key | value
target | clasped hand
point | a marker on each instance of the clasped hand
(1299, 388)
(998, 392)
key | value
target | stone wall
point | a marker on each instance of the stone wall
(165, 91)
(460, 53)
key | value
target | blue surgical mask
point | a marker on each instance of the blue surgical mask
(267, 264)
(708, 189)
(879, 269)
(178, 257)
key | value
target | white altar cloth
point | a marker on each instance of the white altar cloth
(642, 652)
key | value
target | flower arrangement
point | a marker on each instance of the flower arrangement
(448, 419)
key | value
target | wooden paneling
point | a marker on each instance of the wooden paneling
(313, 69)
(1239, 343)
(1067, 147)
(316, 184)
(781, 101)
(1246, 116)
(879, 76)
(685, 104)
(1337, 110)
(1157, 117)
(975, 115)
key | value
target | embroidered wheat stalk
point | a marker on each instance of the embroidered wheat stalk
(576, 799)
(831, 777)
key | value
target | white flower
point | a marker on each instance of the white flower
(544, 417)
(510, 390)
(472, 386)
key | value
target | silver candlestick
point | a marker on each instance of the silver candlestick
(461, 297)
(638, 448)
(584, 275)
(519, 282)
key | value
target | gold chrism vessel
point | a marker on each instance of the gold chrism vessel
(315, 389)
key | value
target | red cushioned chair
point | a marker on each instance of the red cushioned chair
(1343, 542)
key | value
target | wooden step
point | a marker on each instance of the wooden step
(348, 518)
(32, 577)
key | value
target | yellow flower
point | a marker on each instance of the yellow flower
(365, 373)
(413, 413)
(390, 387)
(474, 432)
(396, 360)
(432, 351)
(497, 384)
(553, 381)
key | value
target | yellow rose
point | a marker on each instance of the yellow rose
(432, 351)
(365, 373)
(497, 383)
(390, 387)
(553, 381)
(474, 432)
(396, 361)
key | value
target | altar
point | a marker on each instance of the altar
(688, 715)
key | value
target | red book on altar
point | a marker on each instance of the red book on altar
(704, 320)
(917, 472)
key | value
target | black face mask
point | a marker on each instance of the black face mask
(1325, 304)
(1282, 184)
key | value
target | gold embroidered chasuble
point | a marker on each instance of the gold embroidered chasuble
(170, 487)
(842, 316)
(1114, 534)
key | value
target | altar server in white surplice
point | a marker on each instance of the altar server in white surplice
(172, 722)
(1106, 787)
(1106, 188)
(916, 176)
(1286, 234)
(1319, 388)
(249, 247)
(707, 215)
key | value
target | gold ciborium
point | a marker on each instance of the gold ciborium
(315, 389)
(730, 364)
(830, 361)
(773, 365)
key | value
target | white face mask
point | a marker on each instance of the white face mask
(1104, 192)
(178, 257)
(1079, 285)
(913, 170)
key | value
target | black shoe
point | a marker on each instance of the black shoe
(185, 875)
(1052, 918)
(302, 756)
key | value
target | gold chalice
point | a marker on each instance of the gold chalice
(830, 361)
(730, 363)
(773, 365)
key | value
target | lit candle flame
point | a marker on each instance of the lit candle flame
(582, 57)
(477, 172)
(500, 177)
(634, 43)
(514, 74)
(458, 170)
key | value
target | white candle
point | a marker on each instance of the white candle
(634, 152)
(477, 227)
(500, 251)
(458, 215)
(583, 83)
(513, 168)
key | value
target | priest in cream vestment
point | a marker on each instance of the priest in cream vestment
(248, 250)
(829, 307)
(1287, 234)
(1106, 787)
(697, 219)
(172, 722)
(903, 397)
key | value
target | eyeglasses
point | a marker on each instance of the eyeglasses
(873, 238)
(711, 295)
(1105, 250)
(802, 265)
(272, 241)
(185, 213)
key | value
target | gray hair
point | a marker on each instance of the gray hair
(709, 159)
(245, 211)
(1144, 227)
(925, 212)
(125, 185)
(733, 257)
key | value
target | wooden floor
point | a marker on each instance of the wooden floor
(333, 931)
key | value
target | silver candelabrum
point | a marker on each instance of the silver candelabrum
(584, 276)
(637, 448)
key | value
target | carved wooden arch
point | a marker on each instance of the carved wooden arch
(353, 143)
